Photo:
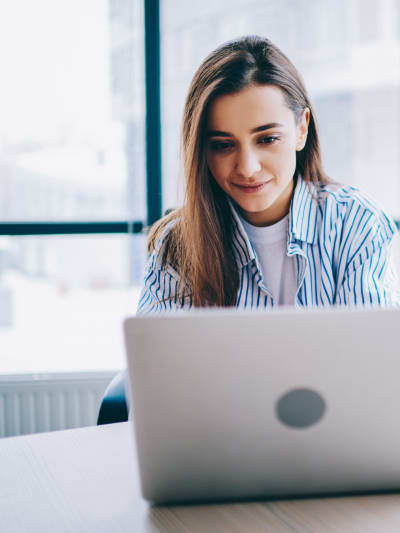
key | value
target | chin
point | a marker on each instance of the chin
(255, 207)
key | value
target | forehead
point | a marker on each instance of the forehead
(249, 108)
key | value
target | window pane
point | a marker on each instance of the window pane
(72, 110)
(63, 300)
(348, 52)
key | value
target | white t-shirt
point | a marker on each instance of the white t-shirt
(278, 270)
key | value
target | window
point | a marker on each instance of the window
(72, 150)
(348, 52)
(72, 144)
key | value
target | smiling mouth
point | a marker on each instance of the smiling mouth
(251, 188)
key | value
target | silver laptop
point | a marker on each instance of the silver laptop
(230, 405)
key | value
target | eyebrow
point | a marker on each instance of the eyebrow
(218, 133)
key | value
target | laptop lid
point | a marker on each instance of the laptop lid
(230, 405)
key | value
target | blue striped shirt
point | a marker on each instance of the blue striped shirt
(342, 243)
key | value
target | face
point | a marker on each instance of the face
(251, 150)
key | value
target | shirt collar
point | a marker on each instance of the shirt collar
(243, 249)
(304, 212)
(303, 218)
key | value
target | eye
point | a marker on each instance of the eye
(220, 146)
(268, 140)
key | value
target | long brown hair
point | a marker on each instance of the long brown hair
(199, 244)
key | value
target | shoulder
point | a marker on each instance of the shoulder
(156, 259)
(353, 212)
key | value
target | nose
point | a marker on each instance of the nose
(247, 163)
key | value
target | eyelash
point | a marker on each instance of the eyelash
(222, 146)
(271, 139)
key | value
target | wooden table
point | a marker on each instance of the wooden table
(86, 480)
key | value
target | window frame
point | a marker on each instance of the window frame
(153, 153)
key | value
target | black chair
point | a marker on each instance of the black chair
(113, 406)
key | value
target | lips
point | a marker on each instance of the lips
(251, 188)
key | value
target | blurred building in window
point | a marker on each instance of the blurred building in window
(72, 149)
(347, 51)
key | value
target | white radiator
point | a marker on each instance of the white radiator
(46, 402)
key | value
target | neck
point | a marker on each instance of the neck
(274, 213)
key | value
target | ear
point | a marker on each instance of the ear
(302, 129)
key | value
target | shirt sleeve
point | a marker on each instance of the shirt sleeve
(371, 271)
(159, 293)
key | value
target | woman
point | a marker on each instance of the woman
(261, 224)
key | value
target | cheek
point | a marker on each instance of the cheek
(284, 161)
(219, 168)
